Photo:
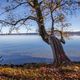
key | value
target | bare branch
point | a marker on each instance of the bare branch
(30, 3)
(66, 2)
(51, 12)
(16, 22)
(61, 34)
(13, 8)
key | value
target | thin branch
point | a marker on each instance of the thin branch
(13, 8)
(61, 34)
(66, 2)
(51, 12)
(30, 3)
(16, 22)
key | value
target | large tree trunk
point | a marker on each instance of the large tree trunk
(58, 51)
(59, 54)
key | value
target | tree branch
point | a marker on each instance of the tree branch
(66, 2)
(61, 34)
(13, 8)
(16, 22)
(51, 12)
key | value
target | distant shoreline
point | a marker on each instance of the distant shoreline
(70, 33)
(20, 34)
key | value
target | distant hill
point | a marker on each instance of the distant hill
(69, 32)
(19, 34)
(74, 33)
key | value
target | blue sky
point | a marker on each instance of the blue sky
(74, 20)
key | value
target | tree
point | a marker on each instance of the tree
(40, 11)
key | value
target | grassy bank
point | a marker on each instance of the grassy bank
(39, 72)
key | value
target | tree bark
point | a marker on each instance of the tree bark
(58, 51)
(40, 21)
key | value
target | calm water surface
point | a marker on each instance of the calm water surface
(22, 49)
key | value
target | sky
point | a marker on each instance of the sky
(74, 20)
(75, 23)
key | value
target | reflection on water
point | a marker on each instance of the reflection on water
(23, 49)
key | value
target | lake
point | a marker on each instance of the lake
(20, 49)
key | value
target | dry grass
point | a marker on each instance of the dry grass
(70, 72)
